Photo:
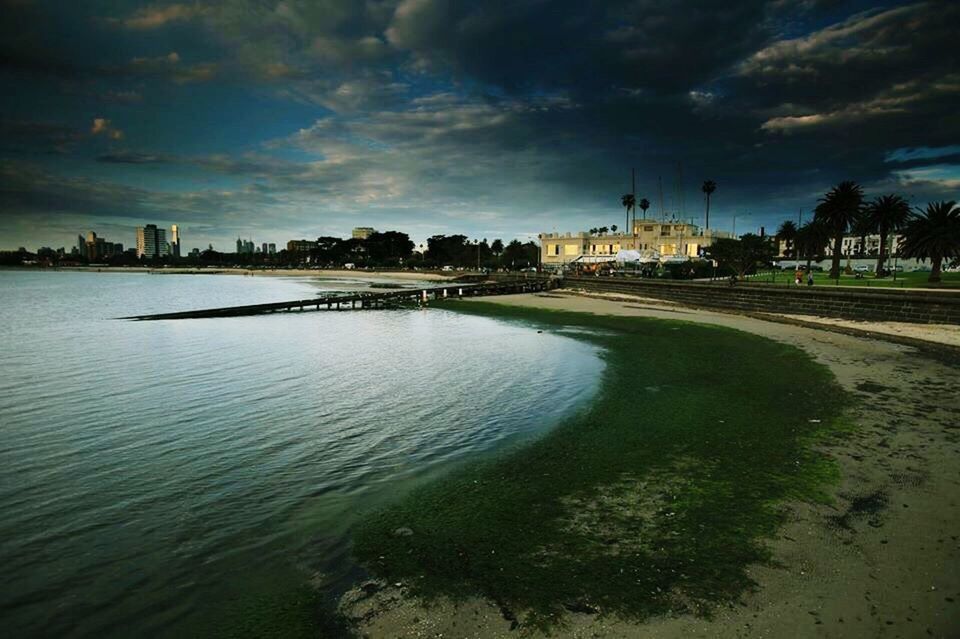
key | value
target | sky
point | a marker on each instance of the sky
(281, 119)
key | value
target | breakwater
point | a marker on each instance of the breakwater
(924, 307)
(356, 301)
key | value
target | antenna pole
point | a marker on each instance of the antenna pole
(683, 198)
(660, 188)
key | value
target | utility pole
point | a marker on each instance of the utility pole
(633, 190)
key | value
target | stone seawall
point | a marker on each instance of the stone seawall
(921, 307)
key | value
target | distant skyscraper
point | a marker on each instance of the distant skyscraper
(175, 240)
(263, 249)
(272, 248)
(152, 242)
(239, 245)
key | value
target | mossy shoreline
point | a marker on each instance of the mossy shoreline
(653, 499)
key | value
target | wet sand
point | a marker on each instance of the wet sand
(883, 560)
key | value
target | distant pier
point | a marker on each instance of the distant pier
(358, 301)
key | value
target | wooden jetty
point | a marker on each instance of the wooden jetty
(357, 301)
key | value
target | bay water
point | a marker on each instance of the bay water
(155, 474)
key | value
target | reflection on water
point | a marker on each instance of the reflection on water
(151, 471)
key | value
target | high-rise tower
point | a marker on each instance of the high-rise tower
(175, 240)
(151, 241)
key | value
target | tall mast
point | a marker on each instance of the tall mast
(660, 189)
(633, 190)
(683, 199)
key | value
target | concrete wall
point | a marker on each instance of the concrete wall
(849, 303)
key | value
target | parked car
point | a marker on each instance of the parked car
(861, 268)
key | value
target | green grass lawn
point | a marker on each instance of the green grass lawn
(913, 279)
(654, 498)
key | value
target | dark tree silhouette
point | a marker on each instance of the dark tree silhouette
(933, 234)
(629, 202)
(709, 186)
(887, 214)
(644, 205)
(861, 227)
(788, 233)
(743, 255)
(838, 211)
(810, 241)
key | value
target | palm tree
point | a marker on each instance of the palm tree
(602, 230)
(838, 210)
(933, 234)
(629, 202)
(810, 240)
(787, 233)
(594, 230)
(613, 228)
(887, 214)
(709, 186)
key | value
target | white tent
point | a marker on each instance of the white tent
(593, 259)
(628, 256)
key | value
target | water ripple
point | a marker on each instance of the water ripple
(152, 472)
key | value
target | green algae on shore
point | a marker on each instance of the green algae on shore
(655, 498)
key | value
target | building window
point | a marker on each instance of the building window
(571, 249)
(648, 228)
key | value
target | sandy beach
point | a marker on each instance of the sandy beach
(879, 561)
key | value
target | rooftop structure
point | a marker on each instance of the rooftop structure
(668, 239)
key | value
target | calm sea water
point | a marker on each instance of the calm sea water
(155, 474)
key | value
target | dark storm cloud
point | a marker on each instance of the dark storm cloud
(29, 190)
(872, 64)
(44, 137)
(577, 46)
(505, 117)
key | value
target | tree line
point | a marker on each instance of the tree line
(931, 233)
(388, 249)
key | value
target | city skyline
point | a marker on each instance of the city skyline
(282, 120)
